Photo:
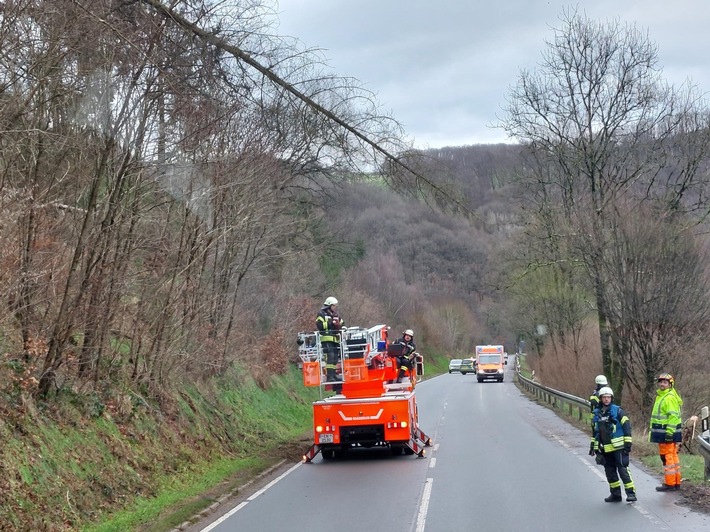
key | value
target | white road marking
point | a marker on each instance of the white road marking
(424, 505)
(432, 463)
(241, 505)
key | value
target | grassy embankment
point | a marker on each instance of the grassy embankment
(124, 464)
(81, 463)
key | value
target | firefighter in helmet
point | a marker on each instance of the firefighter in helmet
(611, 444)
(329, 324)
(406, 358)
(600, 381)
(666, 430)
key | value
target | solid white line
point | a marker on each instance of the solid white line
(432, 463)
(262, 490)
(424, 506)
(225, 517)
(241, 505)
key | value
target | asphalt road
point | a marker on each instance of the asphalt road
(499, 463)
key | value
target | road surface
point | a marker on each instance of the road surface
(499, 462)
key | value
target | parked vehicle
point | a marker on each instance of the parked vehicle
(454, 365)
(371, 408)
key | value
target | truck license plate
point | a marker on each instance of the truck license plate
(325, 438)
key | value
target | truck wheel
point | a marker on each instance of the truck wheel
(327, 454)
(479, 379)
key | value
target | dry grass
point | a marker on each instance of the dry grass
(564, 368)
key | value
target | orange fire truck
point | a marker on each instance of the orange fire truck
(369, 408)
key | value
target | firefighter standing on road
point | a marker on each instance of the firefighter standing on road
(612, 445)
(666, 430)
(405, 359)
(329, 323)
(599, 381)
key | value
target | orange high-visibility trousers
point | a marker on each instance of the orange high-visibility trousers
(671, 463)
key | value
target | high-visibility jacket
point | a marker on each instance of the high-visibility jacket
(666, 424)
(612, 428)
(328, 324)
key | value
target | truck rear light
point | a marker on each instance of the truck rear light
(397, 425)
(326, 428)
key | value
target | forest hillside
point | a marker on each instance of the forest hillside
(181, 188)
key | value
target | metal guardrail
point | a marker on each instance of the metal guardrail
(576, 407)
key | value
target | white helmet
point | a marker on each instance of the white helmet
(330, 301)
(409, 332)
(605, 391)
(601, 379)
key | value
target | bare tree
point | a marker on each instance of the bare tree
(657, 281)
(601, 125)
(154, 164)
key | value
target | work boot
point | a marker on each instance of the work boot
(400, 375)
(631, 497)
(614, 497)
(667, 487)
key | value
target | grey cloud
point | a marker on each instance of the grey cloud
(444, 67)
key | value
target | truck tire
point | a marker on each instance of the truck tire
(397, 450)
(327, 454)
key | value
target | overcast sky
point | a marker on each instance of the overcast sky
(444, 67)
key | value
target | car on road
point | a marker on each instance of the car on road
(468, 365)
(454, 365)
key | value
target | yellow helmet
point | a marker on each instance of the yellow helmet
(666, 377)
(330, 301)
